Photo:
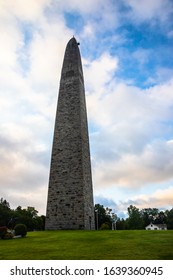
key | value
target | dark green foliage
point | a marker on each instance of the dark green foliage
(170, 218)
(160, 218)
(102, 216)
(105, 226)
(20, 229)
(5, 212)
(148, 215)
(121, 224)
(28, 216)
(135, 220)
(139, 219)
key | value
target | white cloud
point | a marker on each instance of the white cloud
(159, 10)
(88, 31)
(30, 11)
(161, 198)
(30, 62)
(99, 72)
(24, 164)
(154, 165)
(104, 12)
(96, 16)
(126, 149)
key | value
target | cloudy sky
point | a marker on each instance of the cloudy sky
(126, 48)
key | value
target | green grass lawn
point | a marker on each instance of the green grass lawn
(90, 245)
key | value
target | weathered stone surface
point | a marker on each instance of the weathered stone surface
(70, 194)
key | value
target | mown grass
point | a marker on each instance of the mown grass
(90, 245)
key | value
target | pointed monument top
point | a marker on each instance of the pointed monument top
(73, 42)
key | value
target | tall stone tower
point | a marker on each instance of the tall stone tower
(70, 194)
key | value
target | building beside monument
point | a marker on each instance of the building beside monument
(70, 194)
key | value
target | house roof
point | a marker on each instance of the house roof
(158, 225)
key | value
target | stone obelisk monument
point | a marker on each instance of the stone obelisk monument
(70, 194)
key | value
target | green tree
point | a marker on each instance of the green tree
(121, 224)
(5, 212)
(29, 217)
(135, 220)
(169, 214)
(149, 215)
(102, 216)
(160, 218)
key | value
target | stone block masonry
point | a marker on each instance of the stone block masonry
(70, 193)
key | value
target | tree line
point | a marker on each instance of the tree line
(29, 216)
(137, 219)
(104, 217)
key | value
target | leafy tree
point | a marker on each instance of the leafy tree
(102, 216)
(29, 217)
(5, 212)
(135, 220)
(149, 215)
(121, 224)
(169, 214)
(31, 212)
(160, 218)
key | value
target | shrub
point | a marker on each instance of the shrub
(20, 229)
(105, 226)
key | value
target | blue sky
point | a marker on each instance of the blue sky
(126, 48)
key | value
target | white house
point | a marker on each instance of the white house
(152, 226)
